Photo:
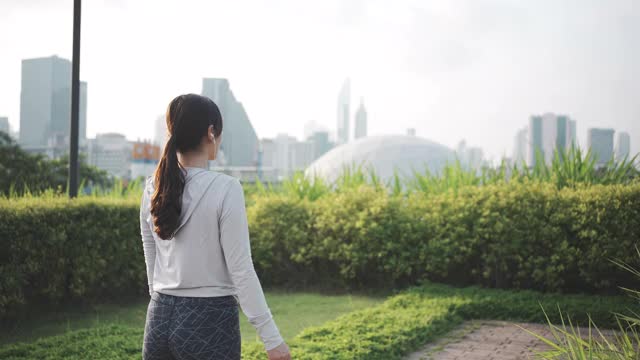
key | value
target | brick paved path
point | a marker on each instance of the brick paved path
(496, 340)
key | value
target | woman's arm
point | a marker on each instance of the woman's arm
(234, 237)
(148, 243)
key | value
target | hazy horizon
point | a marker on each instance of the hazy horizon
(473, 70)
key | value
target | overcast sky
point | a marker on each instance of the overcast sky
(473, 70)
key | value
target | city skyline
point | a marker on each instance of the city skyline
(481, 87)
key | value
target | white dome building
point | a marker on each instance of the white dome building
(384, 154)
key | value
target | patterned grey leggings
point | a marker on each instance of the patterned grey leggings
(191, 328)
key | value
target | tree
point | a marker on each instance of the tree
(21, 171)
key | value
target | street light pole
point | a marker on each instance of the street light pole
(75, 102)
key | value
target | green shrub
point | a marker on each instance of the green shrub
(387, 331)
(566, 341)
(522, 234)
(528, 235)
(279, 228)
(59, 249)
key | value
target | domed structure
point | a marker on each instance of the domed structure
(383, 154)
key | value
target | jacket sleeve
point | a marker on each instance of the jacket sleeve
(234, 238)
(148, 242)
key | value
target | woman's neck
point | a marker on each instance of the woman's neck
(194, 160)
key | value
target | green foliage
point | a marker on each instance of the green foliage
(568, 343)
(527, 235)
(387, 331)
(56, 249)
(299, 187)
(22, 173)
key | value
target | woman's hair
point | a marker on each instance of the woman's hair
(188, 119)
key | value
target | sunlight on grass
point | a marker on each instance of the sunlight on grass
(293, 311)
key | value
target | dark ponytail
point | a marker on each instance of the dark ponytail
(188, 119)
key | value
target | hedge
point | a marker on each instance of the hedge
(57, 249)
(388, 331)
(518, 235)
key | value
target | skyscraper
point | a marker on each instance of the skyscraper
(4, 124)
(284, 154)
(361, 121)
(239, 140)
(344, 99)
(548, 133)
(45, 103)
(623, 146)
(520, 146)
(160, 134)
(535, 139)
(321, 143)
(600, 141)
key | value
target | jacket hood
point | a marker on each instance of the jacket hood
(197, 182)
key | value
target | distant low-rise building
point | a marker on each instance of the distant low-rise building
(111, 152)
(144, 159)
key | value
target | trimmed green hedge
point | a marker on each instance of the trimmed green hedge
(57, 249)
(388, 331)
(517, 235)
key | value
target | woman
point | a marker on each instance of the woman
(196, 247)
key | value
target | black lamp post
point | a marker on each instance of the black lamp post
(75, 102)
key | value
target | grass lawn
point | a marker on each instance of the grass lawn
(386, 331)
(293, 312)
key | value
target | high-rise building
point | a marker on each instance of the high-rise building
(284, 148)
(623, 146)
(311, 127)
(321, 144)
(344, 99)
(600, 142)
(45, 103)
(469, 157)
(475, 158)
(239, 140)
(266, 169)
(111, 152)
(361, 121)
(520, 146)
(285, 154)
(535, 139)
(268, 153)
(160, 133)
(4, 125)
(461, 152)
(548, 133)
(302, 155)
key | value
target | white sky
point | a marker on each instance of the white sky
(451, 69)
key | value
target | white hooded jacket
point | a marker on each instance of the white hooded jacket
(209, 254)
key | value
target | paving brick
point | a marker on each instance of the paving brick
(496, 340)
